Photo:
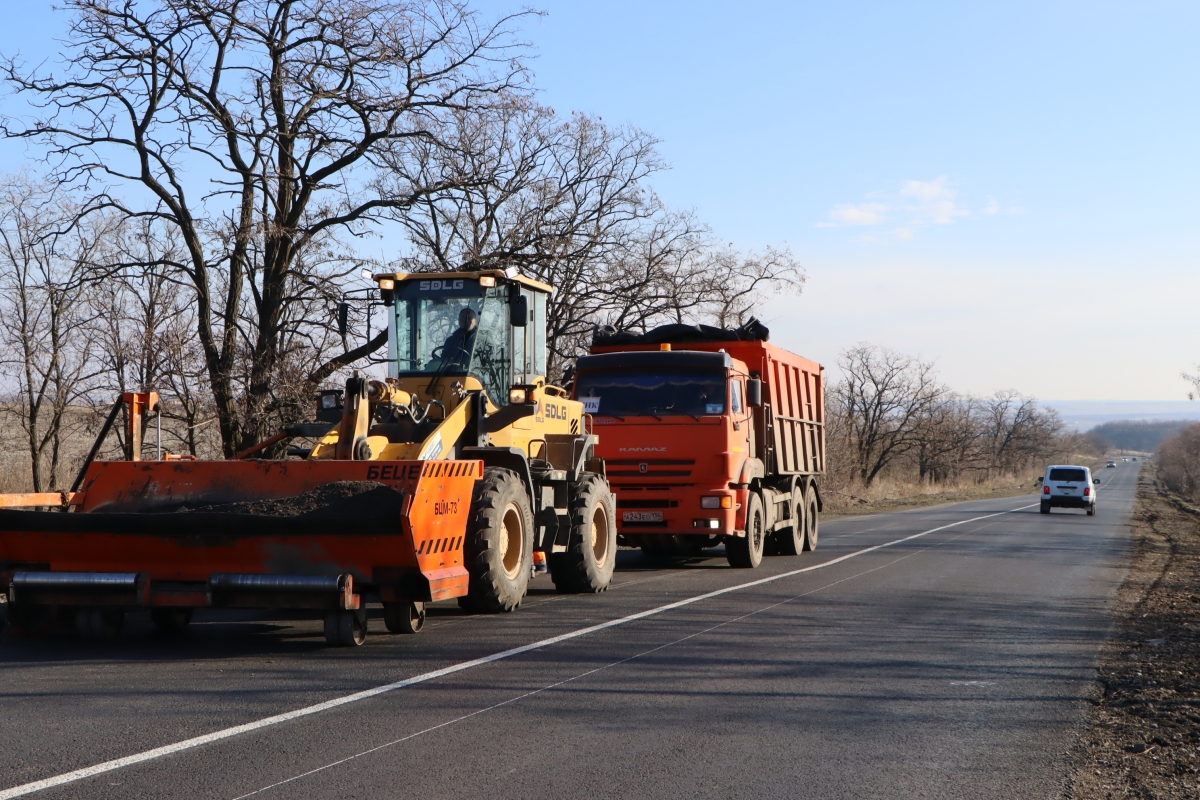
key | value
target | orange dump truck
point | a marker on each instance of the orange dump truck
(170, 536)
(710, 436)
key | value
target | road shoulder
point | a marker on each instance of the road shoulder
(1142, 734)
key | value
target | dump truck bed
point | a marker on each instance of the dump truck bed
(791, 436)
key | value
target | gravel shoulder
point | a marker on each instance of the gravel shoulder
(1142, 736)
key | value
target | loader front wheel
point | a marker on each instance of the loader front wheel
(498, 551)
(587, 565)
(746, 551)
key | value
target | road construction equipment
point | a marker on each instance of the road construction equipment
(710, 435)
(467, 380)
(177, 534)
(436, 483)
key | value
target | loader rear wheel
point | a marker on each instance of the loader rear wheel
(812, 520)
(404, 617)
(746, 551)
(587, 566)
(791, 540)
(498, 552)
(170, 620)
(346, 628)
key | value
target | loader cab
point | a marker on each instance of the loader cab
(484, 330)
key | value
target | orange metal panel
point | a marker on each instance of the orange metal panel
(130, 522)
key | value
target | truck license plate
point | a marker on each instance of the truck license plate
(642, 516)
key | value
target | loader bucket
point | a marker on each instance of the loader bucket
(245, 534)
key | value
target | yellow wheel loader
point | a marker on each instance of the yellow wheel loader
(467, 380)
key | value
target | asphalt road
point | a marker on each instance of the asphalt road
(935, 653)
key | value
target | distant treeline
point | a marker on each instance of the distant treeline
(1141, 435)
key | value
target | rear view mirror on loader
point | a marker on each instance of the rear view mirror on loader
(518, 311)
(754, 392)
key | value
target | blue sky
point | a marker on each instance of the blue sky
(1009, 189)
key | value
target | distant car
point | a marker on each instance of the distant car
(1112, 463)
(1135, 458)
(1069, 486)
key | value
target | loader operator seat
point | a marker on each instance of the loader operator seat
(455, 354)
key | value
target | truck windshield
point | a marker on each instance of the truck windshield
(641, 392)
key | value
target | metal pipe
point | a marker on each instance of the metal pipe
(111, 581)
(233, 582)
(87, 462)
(158, 420)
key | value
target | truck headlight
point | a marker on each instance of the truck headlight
(716, 502)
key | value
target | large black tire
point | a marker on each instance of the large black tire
(498, 551)
(746, 552)
(1092, 510)
(587, 565)
(792, 540)
(812, 519)
(1044, 507)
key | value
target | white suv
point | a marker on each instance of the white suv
(1067, 486)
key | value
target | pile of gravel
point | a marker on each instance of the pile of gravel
(343, 500)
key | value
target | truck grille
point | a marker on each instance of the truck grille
(623, 503)
(650, 467)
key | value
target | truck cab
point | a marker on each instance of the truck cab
(710, 436)
(673, 425)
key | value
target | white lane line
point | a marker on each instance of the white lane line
(593, 671)
(266, 722)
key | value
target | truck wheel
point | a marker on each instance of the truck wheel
(1044, 507)
(587, 566)
(746, 551)
(498, 552)
(170, 620)
(791, 540)
(404, 617)
(812, 520)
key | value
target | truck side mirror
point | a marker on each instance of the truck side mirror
(754, 392)
(518, 311)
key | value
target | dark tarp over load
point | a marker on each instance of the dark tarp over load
(751, 331)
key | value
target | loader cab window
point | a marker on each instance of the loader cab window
(644, 392)
(453, 328)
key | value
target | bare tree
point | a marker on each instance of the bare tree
(1194, 380)
(565, 201)
(46, 322)
(946, 438)
(1179, 462)
(1015, 430)
(884, 396)
(291, 106)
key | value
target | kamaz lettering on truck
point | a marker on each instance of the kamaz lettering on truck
(711, 436)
